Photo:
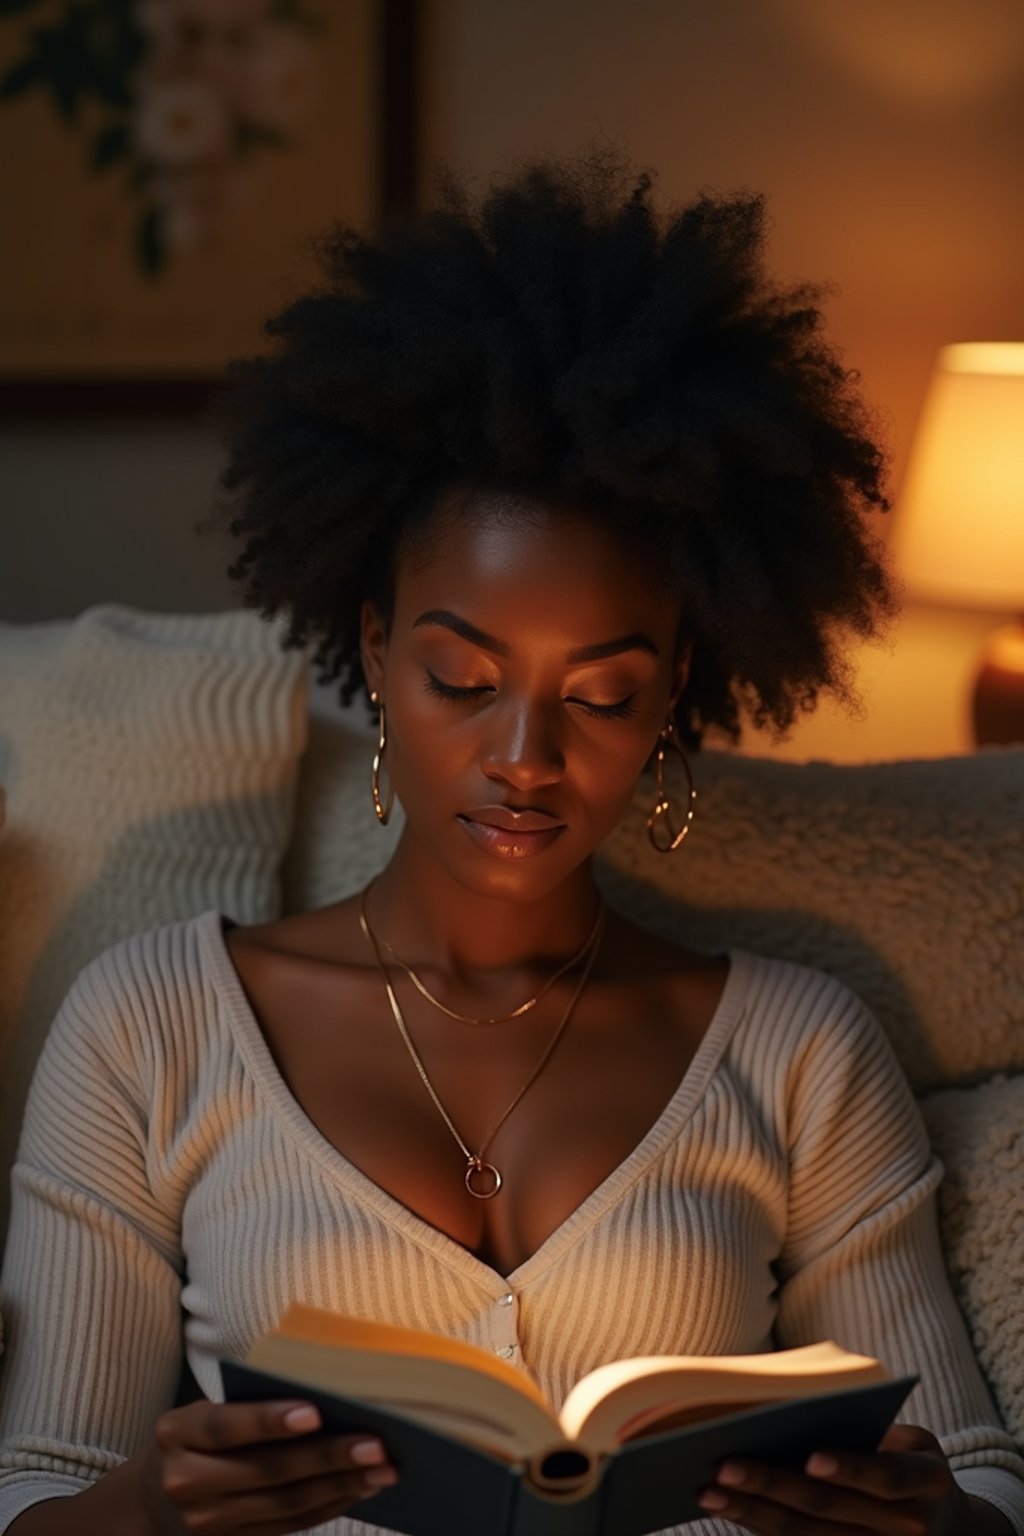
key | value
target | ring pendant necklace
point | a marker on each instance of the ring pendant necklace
(475, 1165)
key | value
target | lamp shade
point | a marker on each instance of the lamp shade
(958, 533)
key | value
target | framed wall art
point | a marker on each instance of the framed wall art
(167, 165)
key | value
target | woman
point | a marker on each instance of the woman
(563, 486)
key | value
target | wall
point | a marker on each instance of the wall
(889, 140)
(101, 510)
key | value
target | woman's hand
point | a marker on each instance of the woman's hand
(254, 1467)
(905, 1488)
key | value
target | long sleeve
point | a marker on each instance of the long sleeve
(91, 1281)
(862, 1262)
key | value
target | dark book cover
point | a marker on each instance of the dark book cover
(446, 1488)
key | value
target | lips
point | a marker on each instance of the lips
(508, 834)
(513, 821)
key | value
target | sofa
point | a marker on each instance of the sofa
(154, 766)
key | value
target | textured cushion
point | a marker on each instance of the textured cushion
(905, 880)
(979, 1134)
(150, 762)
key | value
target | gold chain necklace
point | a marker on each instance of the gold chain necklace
(531, 1002)
(474, 1160)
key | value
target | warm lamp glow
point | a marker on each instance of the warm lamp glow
(959, 534)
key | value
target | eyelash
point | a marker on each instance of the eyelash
(618, 711)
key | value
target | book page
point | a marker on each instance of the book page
(316, 1325)
(437, 1380)
(634, 1393)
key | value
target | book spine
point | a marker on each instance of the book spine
(563, 1473)
(538, 1514)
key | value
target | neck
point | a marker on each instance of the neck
(476, 940)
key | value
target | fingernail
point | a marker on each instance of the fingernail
(381, 1477)
(367, 1452)
(712, 1499)
(820, 1465)
(731, 1475)
(305, 1417)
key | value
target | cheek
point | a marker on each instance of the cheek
(607, 777)
(603, 763)
(433, 755)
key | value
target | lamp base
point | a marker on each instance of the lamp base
(998, 702)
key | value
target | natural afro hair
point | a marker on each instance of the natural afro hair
(560, 338)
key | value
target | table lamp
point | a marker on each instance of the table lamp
(958, 533)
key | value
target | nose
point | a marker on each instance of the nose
(525, 747)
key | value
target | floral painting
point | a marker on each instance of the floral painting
(173, 161)
(190, 90)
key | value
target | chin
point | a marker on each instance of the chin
(513, 879)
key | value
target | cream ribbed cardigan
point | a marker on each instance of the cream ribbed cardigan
(168, 1185)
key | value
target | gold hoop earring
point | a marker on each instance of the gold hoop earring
(662, 812)
(383, 811)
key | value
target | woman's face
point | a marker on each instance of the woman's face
(530, 666)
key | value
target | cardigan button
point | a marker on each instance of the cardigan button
(506, 1300)
(506, 1351)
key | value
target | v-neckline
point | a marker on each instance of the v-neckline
(253, 1047)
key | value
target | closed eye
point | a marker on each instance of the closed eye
(449, 691)
(619, 711)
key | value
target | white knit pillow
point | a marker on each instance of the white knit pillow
(150, 762)
(904, 879)
(979, 1134)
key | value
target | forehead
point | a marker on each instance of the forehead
(514, 554)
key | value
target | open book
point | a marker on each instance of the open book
(478, 1448)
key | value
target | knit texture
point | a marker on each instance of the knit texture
(150, 763)
(165, 1165)
(979, 1135)
(904, 879)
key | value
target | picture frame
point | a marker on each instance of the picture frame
(85, 327)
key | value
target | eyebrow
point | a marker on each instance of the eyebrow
(637, 641)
